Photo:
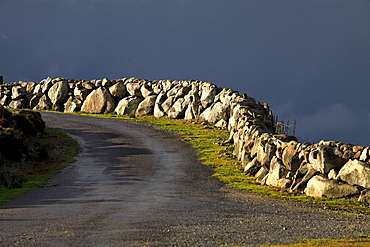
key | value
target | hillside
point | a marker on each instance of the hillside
(19, 145)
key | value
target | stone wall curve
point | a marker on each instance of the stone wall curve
(324, 169)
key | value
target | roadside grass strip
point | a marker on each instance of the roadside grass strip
(358, 241)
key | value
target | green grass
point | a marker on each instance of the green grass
(62, 150)
(358, 241)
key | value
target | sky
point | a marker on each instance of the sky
(308, 59)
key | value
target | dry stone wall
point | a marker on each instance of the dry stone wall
(325, 169)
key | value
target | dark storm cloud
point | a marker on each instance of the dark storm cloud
(307, 59)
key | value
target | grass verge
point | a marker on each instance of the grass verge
(358, 241)
(61, 152)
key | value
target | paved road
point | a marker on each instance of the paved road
(134, 185)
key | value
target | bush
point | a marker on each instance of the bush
(11, 176)
(18, 144)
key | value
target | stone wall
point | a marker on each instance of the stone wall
(328, 168)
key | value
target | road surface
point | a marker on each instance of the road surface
(134, 185)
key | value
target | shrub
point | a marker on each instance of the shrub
(18, 144)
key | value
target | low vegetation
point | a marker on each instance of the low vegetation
(30, 153)
(358, 241)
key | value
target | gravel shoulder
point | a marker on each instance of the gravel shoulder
(134, 185)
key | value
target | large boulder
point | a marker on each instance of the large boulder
(205, 114)
(208, 94)
(168, 103)
(355, 172)
(44, 103)
(118, 90)
(176, 87)
(277, 172)
(30, 86)
(99, 101)
(365, 196)
(266, 154)
(97, 83)
(38, 90)
(46, 85)
(58, 92)
(146, 107)
(18, 104)
(324, 158)
(161, 98)
(18, 92)
(216, 112)
(184, 90)
(194, 106)
(34, 101)
(290, 156)
(226, 95)
(81, 93)
(178, 109)
(146, 90)
(128, 105)
(72, 105)
(158, 109)
(262, 175)
(252, 167)
(365, 154)
(304, 173)
(190, 113)
(89, 85)
(319, 186)
(106, 82)
(263, 150)
(166, 85)
(133, 88)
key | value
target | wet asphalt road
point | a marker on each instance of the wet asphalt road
(134, 185)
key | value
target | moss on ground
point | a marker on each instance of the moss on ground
(358, 241)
